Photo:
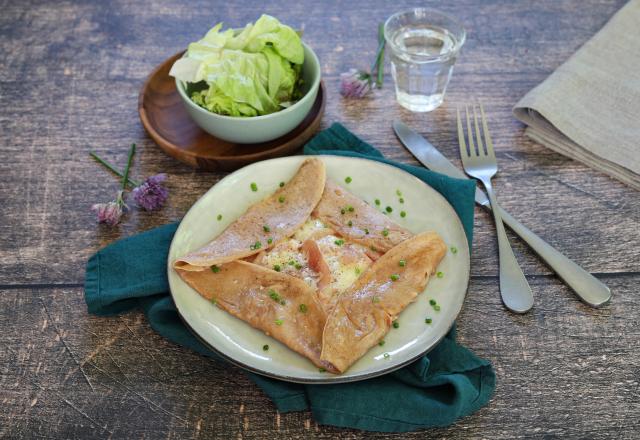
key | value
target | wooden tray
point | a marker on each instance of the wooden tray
(164, 117)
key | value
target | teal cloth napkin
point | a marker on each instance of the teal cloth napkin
(448, 383)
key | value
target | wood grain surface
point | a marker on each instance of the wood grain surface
(70, 74)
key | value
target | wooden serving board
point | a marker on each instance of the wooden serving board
(164, 117)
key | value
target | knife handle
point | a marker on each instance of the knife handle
(590, 290)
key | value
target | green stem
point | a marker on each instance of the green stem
(112, 168)
(375, 67)
(125, 178)
(380, 60)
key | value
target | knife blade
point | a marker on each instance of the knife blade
(588, 288)
(431, 158)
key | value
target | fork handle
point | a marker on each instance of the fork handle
(514, 288)
(590, 290)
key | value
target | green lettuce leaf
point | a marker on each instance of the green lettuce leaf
(248, 73)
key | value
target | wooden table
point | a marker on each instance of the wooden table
(70, 75)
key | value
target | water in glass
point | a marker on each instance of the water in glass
(422, 66)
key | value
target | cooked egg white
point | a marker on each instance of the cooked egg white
(312, 228)
(286, 253)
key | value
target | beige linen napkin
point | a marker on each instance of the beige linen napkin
(589, 108)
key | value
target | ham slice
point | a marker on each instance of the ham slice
(280, 305)
(283, 212)
(363, 313)
(369, 227)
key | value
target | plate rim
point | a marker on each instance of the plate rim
(338, 378)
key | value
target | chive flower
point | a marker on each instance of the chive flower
(111, 212)
(150, 195)
(358, 83)
(355, 83)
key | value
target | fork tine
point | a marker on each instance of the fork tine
(472, 147)
(487, 137)
(461, 142)
(481, 151)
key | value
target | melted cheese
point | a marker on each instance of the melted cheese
(346, 262)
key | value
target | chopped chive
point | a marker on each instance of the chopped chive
(283, 302)
(358, 271)
(396, 324)
(436, 307)
(349, 223)
(265, 347)
(386, 355)
(432, 302)
(350, 208)
(281, 199)
(302, 308)
(281, 184)
(454, 250)
(269, 240)
(339, 242)
(292, 263)
(266, 228)
(401, 200)
(348, 179)
(219, 217)
(389, 209)
(254, 187)
(381, 343)
(373, 248)
(403, 214)
(439, 274)
(377, 202)
(322, 370)
(214, 301)
(398, 193)
(278, 321)
(428, 321)
(343, 211)
(375, 299)
(215, 269)
(394, 277)
(402, 263)
(277, 267)
(366, 231)
(385, 232)
(298, 266)
(256, 245)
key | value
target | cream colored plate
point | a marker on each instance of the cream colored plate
(242, 344)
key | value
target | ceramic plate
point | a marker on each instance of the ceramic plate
(241, 344)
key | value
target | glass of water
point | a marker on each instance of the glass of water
(424, 45)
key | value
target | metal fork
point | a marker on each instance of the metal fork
(482, 165)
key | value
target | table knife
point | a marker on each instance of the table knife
(588, 288)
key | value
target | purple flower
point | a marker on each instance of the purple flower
(111, 212)
(151, 195)
(355, 83)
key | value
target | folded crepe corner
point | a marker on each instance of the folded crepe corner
(364, 313)
(285, 210)
(282, 306)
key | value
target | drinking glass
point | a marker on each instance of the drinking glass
(424, 44)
